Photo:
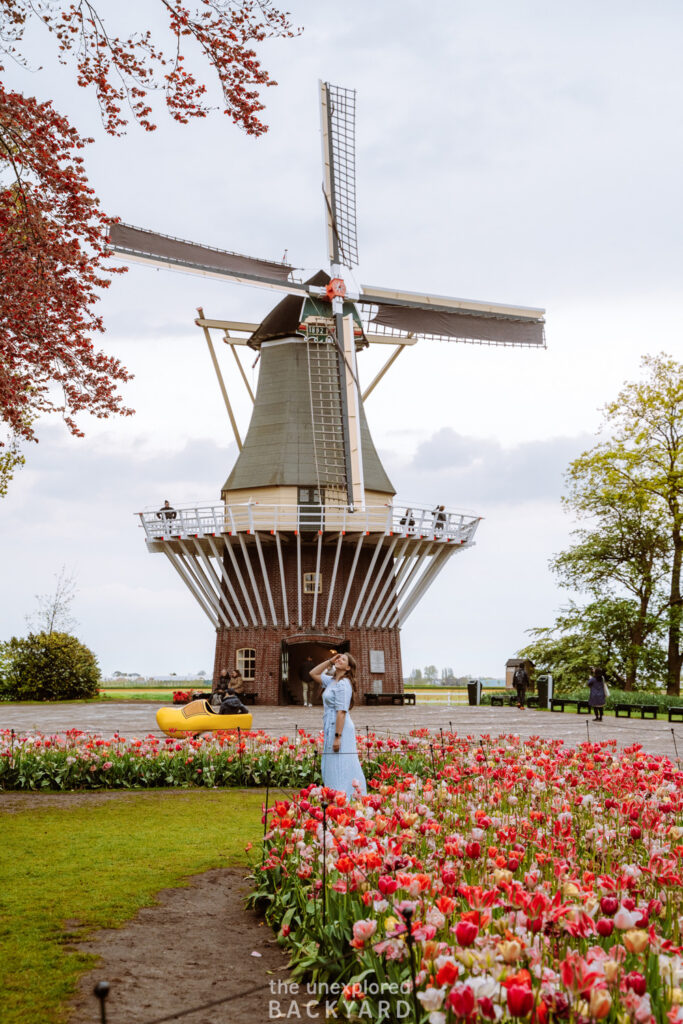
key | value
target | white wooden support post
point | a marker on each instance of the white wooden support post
(216, 580)
(317, 576)
(368, 577)
(252, 578)
(387, 558)
(172, 556)
(266, 581)
(242, 583)
(390, 582)
(350, 580)
(340, 540)
(227, 580)
(298, 576)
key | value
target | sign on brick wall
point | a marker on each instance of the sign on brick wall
(377, 661)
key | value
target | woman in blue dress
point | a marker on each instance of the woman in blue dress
(340, 765)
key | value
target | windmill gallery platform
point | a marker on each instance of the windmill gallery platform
(281, 583)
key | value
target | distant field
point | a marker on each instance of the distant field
(424, 695)
(128, 693)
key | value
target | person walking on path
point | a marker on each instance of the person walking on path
(341, 768)
(305, 678)
(520, 681)
(597, 697)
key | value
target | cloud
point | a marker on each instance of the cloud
(462, 470)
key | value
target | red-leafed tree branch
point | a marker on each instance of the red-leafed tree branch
(125, 69)
(53, 260)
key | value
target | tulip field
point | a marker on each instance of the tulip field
(480, 879)
(519, 881)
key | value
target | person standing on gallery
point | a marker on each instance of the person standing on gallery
(341, 768)
(306, 681)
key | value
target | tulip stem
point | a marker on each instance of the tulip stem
(407, 914)
(324, 891)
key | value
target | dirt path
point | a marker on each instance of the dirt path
(194, 948)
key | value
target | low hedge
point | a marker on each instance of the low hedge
(635, 697)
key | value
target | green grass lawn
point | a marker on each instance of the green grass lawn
(96, 864)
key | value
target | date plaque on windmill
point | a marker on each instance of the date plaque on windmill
(377, 661)
(308, 500)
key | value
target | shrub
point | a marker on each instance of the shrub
(47, 666)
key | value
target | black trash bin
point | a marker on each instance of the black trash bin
(542, 690)
(473, 693)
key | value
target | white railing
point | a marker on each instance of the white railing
(213, 520)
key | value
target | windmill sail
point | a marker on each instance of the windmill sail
(338, 123)
(139, 245)
(397, 314)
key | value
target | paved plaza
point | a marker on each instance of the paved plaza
(137, 719)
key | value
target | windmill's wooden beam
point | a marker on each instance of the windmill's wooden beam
(390, 361)
(227, 325)
(221, 382)
(241, 369)
(388, 339)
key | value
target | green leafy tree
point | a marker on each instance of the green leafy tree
(624, 549)
(643, 460)
(47, 666)
(597, 634)
(431, 673)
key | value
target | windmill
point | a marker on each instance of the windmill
(308, 549)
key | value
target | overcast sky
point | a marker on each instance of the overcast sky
(522, 152)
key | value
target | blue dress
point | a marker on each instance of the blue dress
(340, 770)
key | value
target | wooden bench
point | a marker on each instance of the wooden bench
(676, 713)
(248, 698)
(375, 699)
(532, 702)
(583, 707)
(497, 701)
(625, 710)
(560, 703)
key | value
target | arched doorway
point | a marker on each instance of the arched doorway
(297, 654)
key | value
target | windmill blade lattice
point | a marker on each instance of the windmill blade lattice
(151, 247)
(338, 115)
(396, 314)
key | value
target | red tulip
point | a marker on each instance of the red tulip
(465, 933)
(462, 1000)
(473, 850)
(486, 1008)
(609, 905)
(447, 974)
(520, 1000)
(387, 885)
(636, 982)
(605, 927)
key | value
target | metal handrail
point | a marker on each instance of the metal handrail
(254, 517)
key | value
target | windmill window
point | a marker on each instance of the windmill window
(311, 496)
(313, 583)
(246, 662)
